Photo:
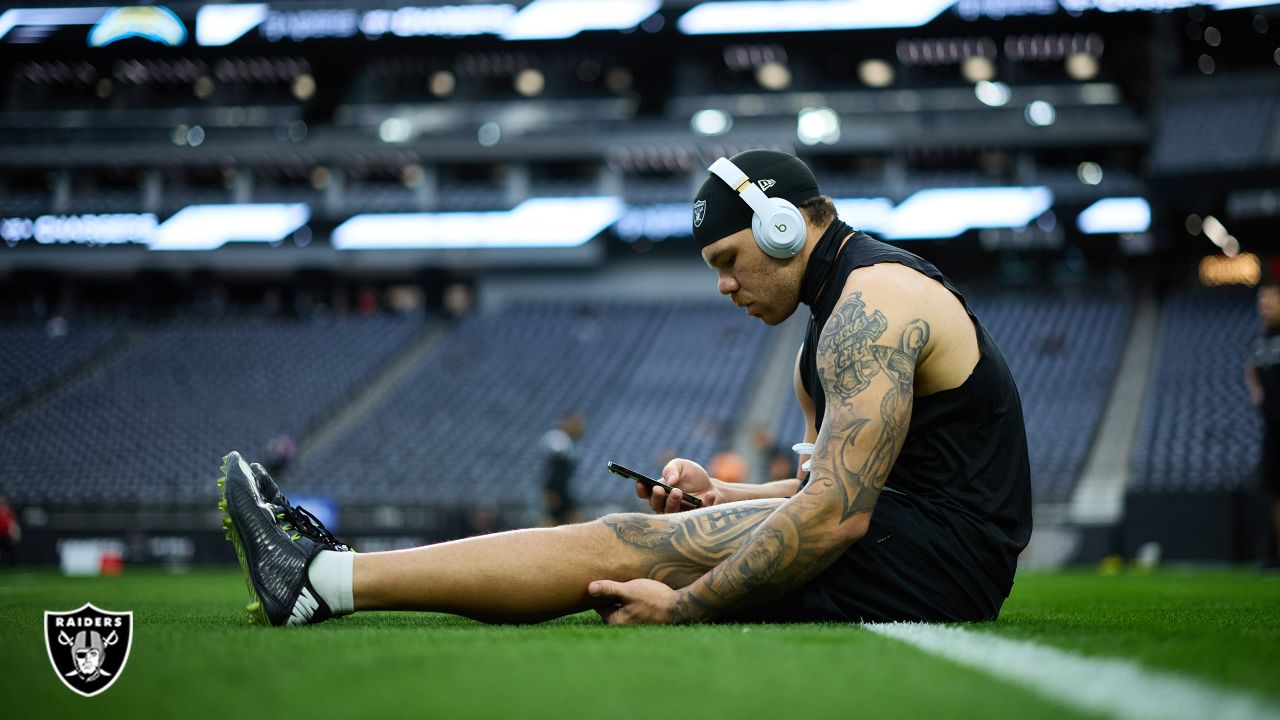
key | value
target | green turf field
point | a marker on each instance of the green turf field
(195, 656)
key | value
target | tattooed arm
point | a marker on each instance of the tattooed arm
(867, 358)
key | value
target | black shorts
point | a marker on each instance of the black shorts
(906, 569)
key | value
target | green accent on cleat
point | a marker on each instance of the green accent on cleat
(257, 614)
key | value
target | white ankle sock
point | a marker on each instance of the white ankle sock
(330, 573)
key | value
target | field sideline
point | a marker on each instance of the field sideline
(195, 656)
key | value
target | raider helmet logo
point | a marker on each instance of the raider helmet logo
(88, 646)
(699, 212)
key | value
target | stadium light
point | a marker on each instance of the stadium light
(773, 75)
(992, 94)
(1116, 215)
(395, 130)
(535, 223)
(442, 83)
(977, 69)
(875, 73)
(818, 125)
(1081, 66)
(530, 82)
(1089, 173)
(1040, 113)
(711, 122)
(489, 134)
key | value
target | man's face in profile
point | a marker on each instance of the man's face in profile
(768, 288)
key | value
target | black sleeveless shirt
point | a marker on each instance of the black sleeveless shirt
(963, 465)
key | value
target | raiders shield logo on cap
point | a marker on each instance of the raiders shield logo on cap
(88, 646)
(699, 212)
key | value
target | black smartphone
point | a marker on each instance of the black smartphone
(630, 474)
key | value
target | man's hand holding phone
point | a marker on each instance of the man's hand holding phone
(685, 476)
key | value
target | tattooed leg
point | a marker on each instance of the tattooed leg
(537, 574)
(678, 549)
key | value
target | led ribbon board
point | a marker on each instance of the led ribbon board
(218, 25)
(928, 214)
(209, 227)
(537, 223)
(772, 16)
(153, 22)
(104, 229)
(195, 227)
(738, 16)
(944, 213)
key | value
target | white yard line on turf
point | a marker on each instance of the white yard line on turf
(1119, 688)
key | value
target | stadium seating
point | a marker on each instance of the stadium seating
(1215, 130)
(1063, 352)
(34, 353)
(1198, 429)
(149, 425)
(377, 198)
(467, 426)
(25, 203)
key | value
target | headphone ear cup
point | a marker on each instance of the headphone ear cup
(782, 234)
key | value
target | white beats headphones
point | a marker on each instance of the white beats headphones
(776, 224)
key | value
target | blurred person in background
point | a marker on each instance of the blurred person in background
(1262, 375)
(782, 465)
(729, 466)
(282, 454)
(10, 533)
(775, 463)
(561, 444)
